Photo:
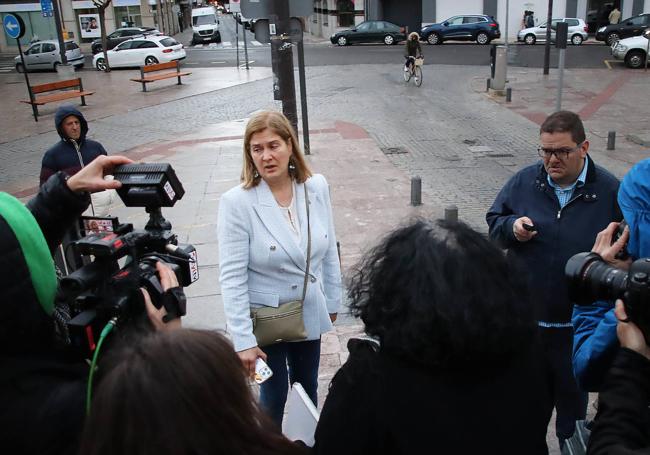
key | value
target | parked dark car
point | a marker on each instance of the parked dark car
(370, 32)
(479, 28)
(120, 35)
(632, 26)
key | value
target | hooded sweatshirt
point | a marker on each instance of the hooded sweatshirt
(41, 389)
(69, 155)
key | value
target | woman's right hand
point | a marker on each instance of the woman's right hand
(249, 357)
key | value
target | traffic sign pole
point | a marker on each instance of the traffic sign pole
(29, 87)
(59, 31)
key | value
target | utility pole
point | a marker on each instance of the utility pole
(547, 45)
(59, 31)
(282, 57)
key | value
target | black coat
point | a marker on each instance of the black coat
(561, 232)
(63, 155)
(42, 391)
(379, 404)
(622, 425)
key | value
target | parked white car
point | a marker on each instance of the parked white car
(631, 50)
(577, 32)
(141, 51)
(45, 55)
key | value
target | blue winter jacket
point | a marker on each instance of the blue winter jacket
(595, 343)
(63, 156)
(561, 232)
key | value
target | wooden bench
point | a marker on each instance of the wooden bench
(72, 88)
(156, 77)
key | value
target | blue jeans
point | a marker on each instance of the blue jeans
(290, 362)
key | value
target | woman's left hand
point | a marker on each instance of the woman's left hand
(333, 316)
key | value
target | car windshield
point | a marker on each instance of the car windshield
(209, 19)
(168, 42)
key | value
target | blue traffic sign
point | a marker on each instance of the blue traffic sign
(46, 8)
(14, 26)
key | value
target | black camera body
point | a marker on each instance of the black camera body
(591, 279)
(124, 260)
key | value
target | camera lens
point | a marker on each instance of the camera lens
(591, 279)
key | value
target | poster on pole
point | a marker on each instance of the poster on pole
(90, 26)
(235, 6)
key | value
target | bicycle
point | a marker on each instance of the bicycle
(415, 71)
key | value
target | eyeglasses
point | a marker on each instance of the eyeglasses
(561, 153)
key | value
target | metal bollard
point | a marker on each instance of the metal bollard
(487, 88)
(416, 191)
(611, 140)
(451, 213)
(508, 94)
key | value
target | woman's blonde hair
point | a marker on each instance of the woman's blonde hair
(412, 34)
(279, 124)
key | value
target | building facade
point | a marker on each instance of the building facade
(80, 19)
(332, 15)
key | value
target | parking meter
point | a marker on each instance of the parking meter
(561, 32)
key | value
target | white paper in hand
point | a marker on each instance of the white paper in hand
(302, 416)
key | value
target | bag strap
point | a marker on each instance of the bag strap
(304, 286)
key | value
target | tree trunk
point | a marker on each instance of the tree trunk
(159, 16)
(102, 14)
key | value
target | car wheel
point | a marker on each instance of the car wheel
(218, 37)
(612, 38)
(342, 41)
(576, 40)
(389, 40)
(482, 38)
(20, 68)
(635, 58)
(100, 64)
(530, 39)
(55, 65)
(151, 60)
(434, 38)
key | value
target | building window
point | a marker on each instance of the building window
(127, 16)
(37, 28)
(346, 13)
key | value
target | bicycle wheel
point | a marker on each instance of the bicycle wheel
(418, 76)
(407, 75)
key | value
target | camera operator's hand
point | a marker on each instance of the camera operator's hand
(608, 250)
(520, 233)
(91, 177)
(249, 357)
(629, 334)
(168, 280)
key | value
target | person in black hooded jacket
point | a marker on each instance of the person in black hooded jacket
(74, 150)
(42, 388)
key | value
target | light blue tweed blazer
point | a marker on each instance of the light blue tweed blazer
(262, 265)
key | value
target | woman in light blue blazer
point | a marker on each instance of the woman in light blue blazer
(262, 230)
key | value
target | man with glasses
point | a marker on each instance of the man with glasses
(546, 213)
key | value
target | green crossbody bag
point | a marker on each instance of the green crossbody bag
(285, 323)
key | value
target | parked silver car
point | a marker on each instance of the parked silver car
(576, 35)
(44, 55)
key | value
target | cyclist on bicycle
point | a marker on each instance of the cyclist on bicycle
(413, 50)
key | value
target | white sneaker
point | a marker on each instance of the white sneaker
(406, 70)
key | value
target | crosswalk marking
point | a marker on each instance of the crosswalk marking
(227, 45)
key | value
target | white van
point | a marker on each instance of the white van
(205, 25)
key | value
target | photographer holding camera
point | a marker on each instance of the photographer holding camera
(42, 386)
(595, 339)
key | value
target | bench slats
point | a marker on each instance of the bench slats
(160, 66)
(157, 77)
(41, 100)
(56, 85)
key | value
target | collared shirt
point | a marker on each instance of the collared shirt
(564, 194)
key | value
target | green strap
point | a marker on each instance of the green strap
(34, 248)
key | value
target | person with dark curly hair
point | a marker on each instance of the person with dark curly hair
(453, 364)
(179, 392)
